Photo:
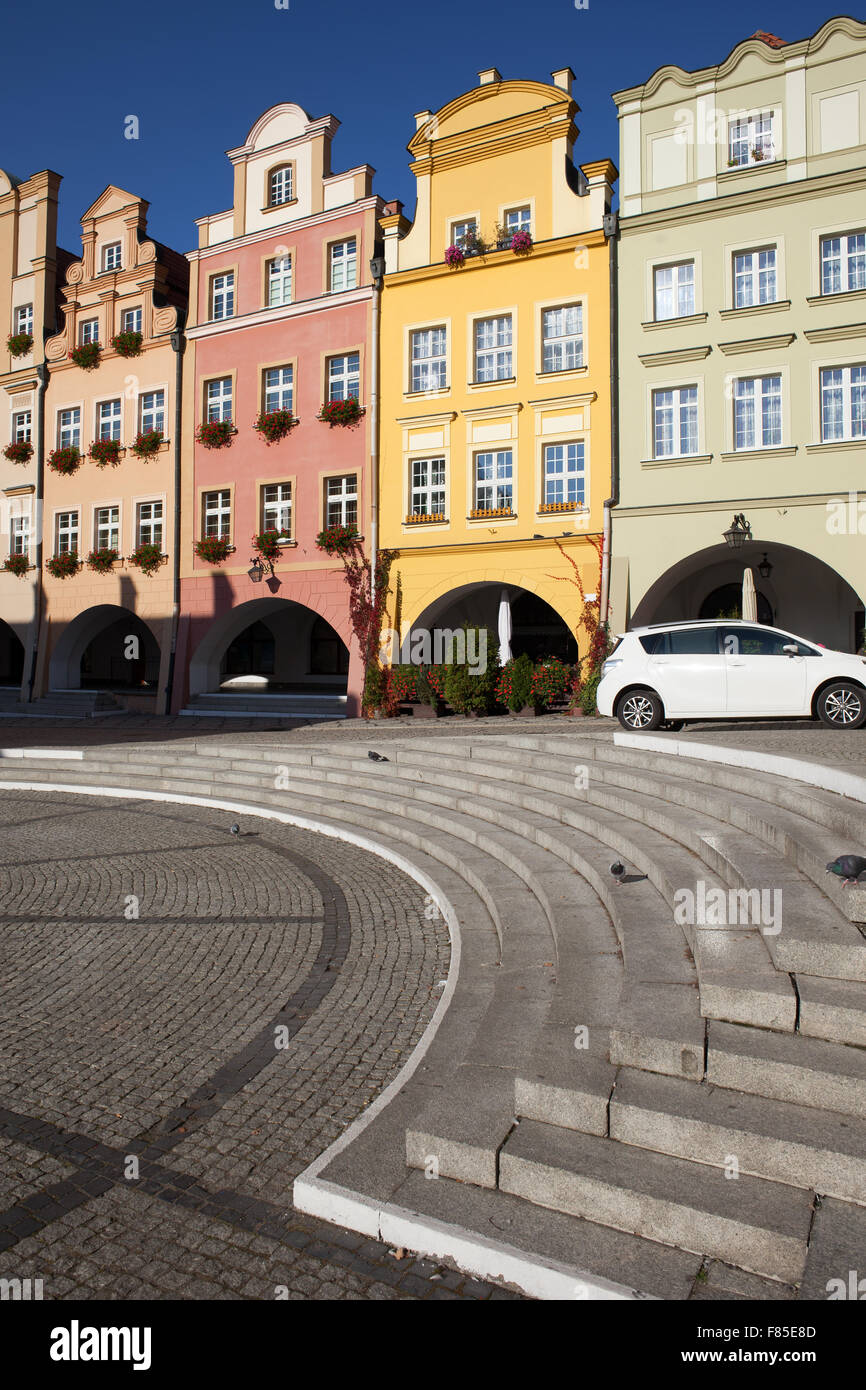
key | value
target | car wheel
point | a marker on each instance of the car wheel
(842, 705)
(672, 725)
(640, 711)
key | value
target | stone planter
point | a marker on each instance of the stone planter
(528, 712)
(419, 710)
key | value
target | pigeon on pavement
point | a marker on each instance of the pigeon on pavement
(235, 830)
(848, 867)
(618, 872)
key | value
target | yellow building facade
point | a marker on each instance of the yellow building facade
(495, 429)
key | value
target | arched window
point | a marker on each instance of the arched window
(281, 185)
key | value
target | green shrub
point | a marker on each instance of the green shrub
(469, 693)
(514, 686)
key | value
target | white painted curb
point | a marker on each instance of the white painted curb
(472, 1253)
(827, 777)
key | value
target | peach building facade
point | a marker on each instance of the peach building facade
(112, 628)
(281, 314)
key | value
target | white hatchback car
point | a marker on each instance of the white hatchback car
(663, 675)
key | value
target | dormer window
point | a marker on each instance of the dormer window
(750, 140)
(111, 257)
(281, 186)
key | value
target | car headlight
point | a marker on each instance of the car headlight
(609, 665)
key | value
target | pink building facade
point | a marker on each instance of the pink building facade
(281, 318)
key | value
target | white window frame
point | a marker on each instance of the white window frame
(676, 405)
(565, 343)
(755, 138)
(499, 484)
(279, 272)
(276, 502)
(279, 388)
(22, 426)
(88, 331)
(496, 356)
(341, 500)
(106, 527)
(135, 325)
(69, 428)
(343, 370)
(219, 399)
(109, 414)
(426, 491)
(222, 296)
(24, 318)
(746, 273)
(343, 265)
(846, 389)
(680, 284)
(217, 514)
(845, 257)
(751, 396)
(149, 523)
(112, 256)
(572, 471)
(19, 534)
(462, 228)
(428, 359)
(281, 186)
(67, 532)
(151, 411)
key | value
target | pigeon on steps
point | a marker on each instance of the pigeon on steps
(618, 872)
(378, 758)
(848, 867)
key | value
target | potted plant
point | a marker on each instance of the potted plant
(274, 425)
(347, 412)
(144, 446)
(128, 343)
(521, 243)
(338, 540)
(66, 460)
(470, 691)
(20, 451)
(63, 565)
(87, 356)
(550, 681)
(213, 549)
(147, 557)
(472, 244)
(101, 561)
(17, 564)
(104, 451)
(267, 543)
(215, 434)
(412, 689)
(514, 687)
(18, 344)
(758, 153)
(454, 256)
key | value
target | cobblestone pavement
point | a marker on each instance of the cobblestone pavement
(209, 1012)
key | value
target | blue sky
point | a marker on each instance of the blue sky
(198, 74)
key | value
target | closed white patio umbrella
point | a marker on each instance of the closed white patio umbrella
(750, 598)
(504, 627)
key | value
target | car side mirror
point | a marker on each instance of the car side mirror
(792, 649)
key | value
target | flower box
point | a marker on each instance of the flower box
(19, 344)
(102, 561)
(17, 564)
(64, 565)
(417, 520)
(87, 356)
(21, 451)
(144, 446)
(215, 434)
(548, 507)
(491, 511)
(213, 549)
(267, 543)
(104, 451)
(274, 425)
(338, 540)
(521, 243)
(65, 460)
(128, 343)
(347, 412)
(147, 557)
(454, 256)
(419, 710)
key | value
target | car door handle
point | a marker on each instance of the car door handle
(732, 661)
(660, 661)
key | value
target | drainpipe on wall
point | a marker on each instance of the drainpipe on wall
(178, 343)
(377, 271)
(41, 383)
(611, 231)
